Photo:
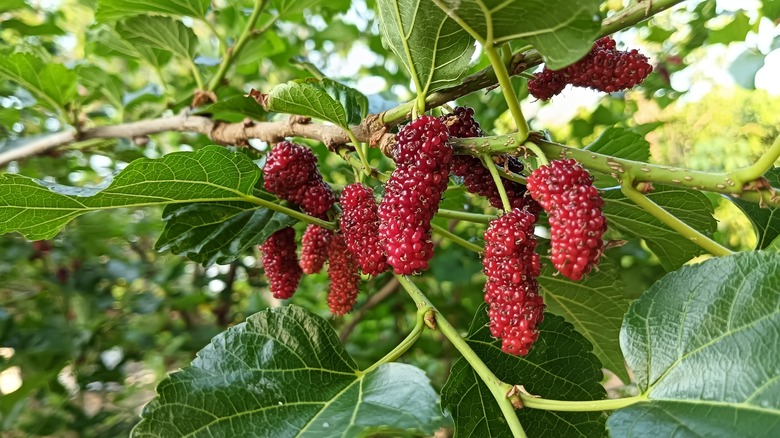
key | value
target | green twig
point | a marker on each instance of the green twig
(196, 74)
(494, 384)
(757, 170)
(464, 216)
(447, 234)
(580, 406)
(400, 349)
(233, 52)
(360, 151)
(217, 35)
(509, 92)
(487, 160)
(290, 212)
(672, 221)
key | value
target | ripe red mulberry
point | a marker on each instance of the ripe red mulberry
(604, 68)
(360, 226)
(314, 248)
(412, 194)
(461, 124)
(511, 290)
(281, 263)
(566, 192)
(290, 172)
(344, 277)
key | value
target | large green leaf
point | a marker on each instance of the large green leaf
(322, 99)
(621, 143)
(595, 306)
(672, 249)
(217, 232)
(702, 343)
(39, 209)
(562, 31)
(433, 48)
(766, 220)
(283, 373)
(560, 366)
(106, 41)
(54, 84)
(162, 33)
(9, 5)
(116, 9)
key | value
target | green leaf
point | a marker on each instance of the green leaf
(286, 8)
(766, 220)
(235, 108)
(562, 31)
(9, 5)
(217, 232)
(109, 10)
(595, 306)
(771, 9)
(107, 42)
(54, 84)
(283, 373)
(702, 343)
(621, 143)
(161, 33)
(434, 49)
(673, 250)
(39, 209)
(322, 99)
(102, 83)
(560, 366)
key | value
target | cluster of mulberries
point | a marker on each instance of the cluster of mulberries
(604, 68)
(291, 173)
(360, 226)
(344, 276)
(422, 155)
(512, 292)
(314, 248)
(281, 263)
(461, 124)
(565, 190)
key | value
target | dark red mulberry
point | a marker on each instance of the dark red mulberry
(360, 226)
(281, 263)
(314, 248)
(566, 192)
(604, 68)
(477, 178)
(412, 194)
(344, 277)
(290, 172)
(511, 290)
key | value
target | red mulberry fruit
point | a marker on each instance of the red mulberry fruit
(314, 248)
(566, 192)
(281, 263)
(604, 68)
(412, 194)
(290, 172)
(360, 226)
(461, 123)
(511, 290)
(344, 277)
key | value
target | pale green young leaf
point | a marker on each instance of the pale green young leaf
(53, 84)
(161, 33)
(109, 10)
(323, 99)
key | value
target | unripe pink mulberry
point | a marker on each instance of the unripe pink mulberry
(566, 192)
(314, 248)
(344, 277)
(281, 263)
(291, 173)
(360, 226)
(604, 68)
(412, 194)
(511, 290)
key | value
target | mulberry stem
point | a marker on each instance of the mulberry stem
(491, 166)
(400, 349)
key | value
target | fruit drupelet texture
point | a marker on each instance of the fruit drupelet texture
(604, 68)
(344, 276)
(281, 263)
(565, 190)
(360, 226)
(314, 248)
(412, 195)
(511, 291)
